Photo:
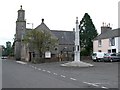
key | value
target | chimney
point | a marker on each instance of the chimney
(105, 28)
(42, 20)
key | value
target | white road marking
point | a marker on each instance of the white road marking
(48, 71)
(39, 68)
(101, 83)
(55, 73)
(32, 66)
(95, 84)
(43, 70)
(35, 67)
(73, 79)
(104, 87)
(21, 62)
(91, 84)
(63, 76)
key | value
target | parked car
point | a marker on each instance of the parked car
(4, 57)
(98, 56)
(112, 57)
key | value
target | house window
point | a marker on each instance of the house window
(113, 50)
(109, 51)
(99, 51)
(112, 41)
(99, 43)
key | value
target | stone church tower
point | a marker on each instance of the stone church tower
(20, 32)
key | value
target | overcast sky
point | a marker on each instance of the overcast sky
(57, 14)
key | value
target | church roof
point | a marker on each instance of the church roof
(65, 37)
(44, 27)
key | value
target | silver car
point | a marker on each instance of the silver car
(112, 57)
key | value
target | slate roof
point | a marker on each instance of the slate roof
(44, 27)
(109, 34)
(65, 37)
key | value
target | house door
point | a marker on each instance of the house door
(113, 50)
(29, 56)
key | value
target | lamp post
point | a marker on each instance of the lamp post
(31, 54)
(31, 24)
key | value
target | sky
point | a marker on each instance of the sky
(57, 14)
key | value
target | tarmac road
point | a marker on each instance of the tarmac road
(52, 75)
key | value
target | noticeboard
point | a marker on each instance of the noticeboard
(48, 54)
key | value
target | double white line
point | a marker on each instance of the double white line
(95, 85)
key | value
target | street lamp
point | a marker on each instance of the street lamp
(31, 53)
(31, 24)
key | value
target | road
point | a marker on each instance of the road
(52, 75)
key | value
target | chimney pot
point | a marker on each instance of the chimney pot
(42, 20)
(21, 7)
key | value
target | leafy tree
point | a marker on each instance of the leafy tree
(12, 49)
(40, 41)
(8, 51)
(4, 51)
(87, 33)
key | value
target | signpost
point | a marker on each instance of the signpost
(47, 54)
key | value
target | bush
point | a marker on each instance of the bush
(85, 53)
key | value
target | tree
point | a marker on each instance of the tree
(40, 41)
(8, 51)
(12, 49)
(87, 33)
(4, 51)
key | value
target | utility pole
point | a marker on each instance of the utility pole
(30, 51)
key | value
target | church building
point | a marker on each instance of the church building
(65, 41)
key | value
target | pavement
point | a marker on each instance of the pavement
(51, 75)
